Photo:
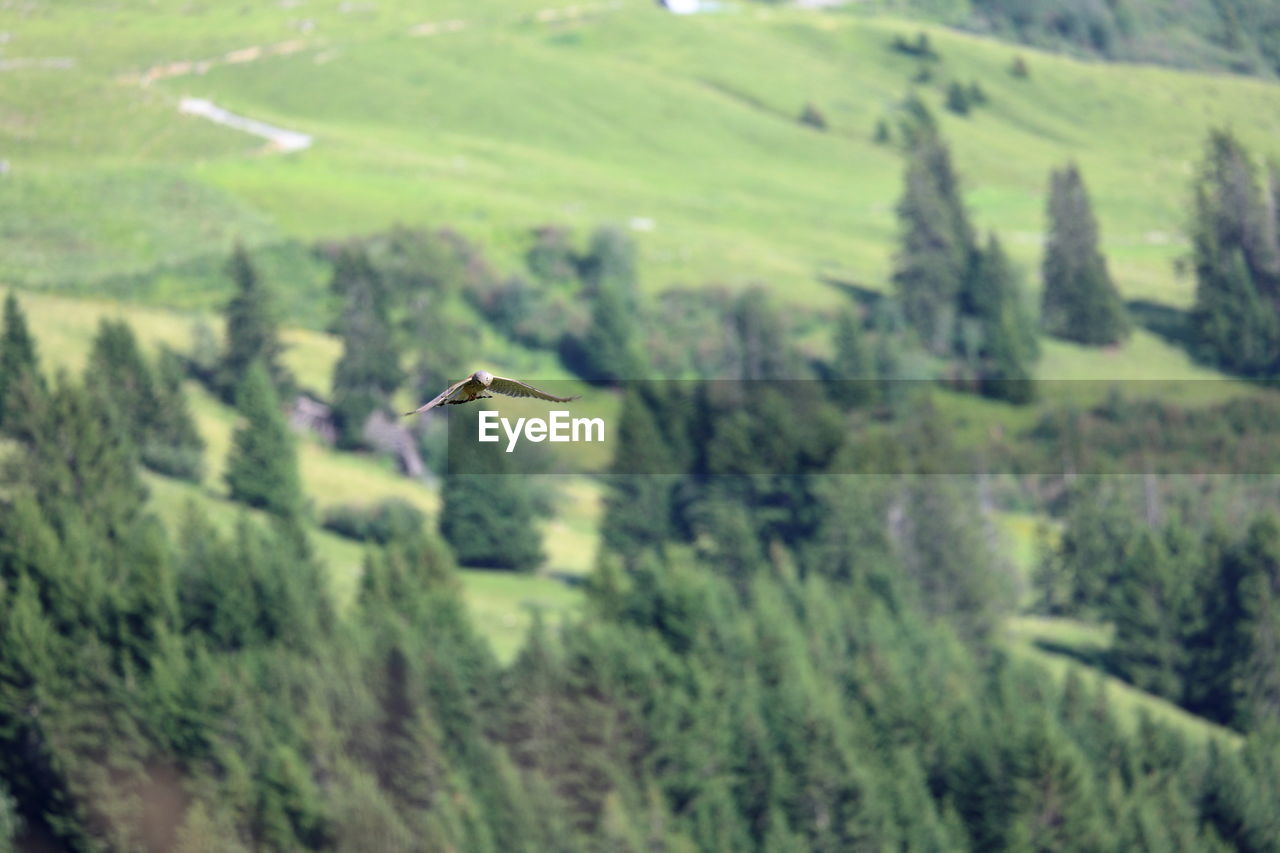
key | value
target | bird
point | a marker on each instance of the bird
(475, 386)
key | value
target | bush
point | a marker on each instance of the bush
(389, 520)
(813, 117)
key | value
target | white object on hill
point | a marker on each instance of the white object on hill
(280, 139)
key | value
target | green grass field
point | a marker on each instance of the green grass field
(622, 113)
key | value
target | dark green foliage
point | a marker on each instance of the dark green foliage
(918, 47)
(10, 822)
(17, 353)
(958, 100)
(1080, 301)
(1236, 252)
(175, 447)
(386, 521)
(150, 407)
(251, 334)
(937, 241)
(638, 511)
(813, 117)
(262, 467)
(489, 516)
(248, 590)
(1152, 609)
(368, 371)
(1004, 341)
(853, 370)
(610, 348)
(882, 135)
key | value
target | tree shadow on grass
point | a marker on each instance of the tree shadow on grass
(1171, 325)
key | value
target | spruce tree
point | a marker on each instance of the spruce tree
(251, 334)
(17, 352)
(117, 365)
(369, 370)
(174, 445)
(1006, 336)
(1236, 252)
(488, 516)
(853, 370)
(120, 377)
(1080, 301)
(611, 345)
(937, 242)
(1259, 669)
(638, 509)
(262, 468)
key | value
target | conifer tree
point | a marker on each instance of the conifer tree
(251, 334)
(488, 516)
(1150, 609)
(937, 242)
(1236, 253)
(853, 370)
(1080, 301)
(1007, 343)
(1259, 668)
(369, 370)
(175, 446)
(638, 510)
(17, 352)
(156, 419)
(611, 345)
(262, 468)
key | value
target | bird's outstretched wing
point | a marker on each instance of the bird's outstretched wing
(515, 388)
(439, 398)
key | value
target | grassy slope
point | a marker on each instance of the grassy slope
(511, 122)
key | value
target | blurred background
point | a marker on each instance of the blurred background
(936, 342)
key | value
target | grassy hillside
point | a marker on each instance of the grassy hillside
(620, 113)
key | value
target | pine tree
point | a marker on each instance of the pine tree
(251, 330)
(610, 346)
(369, 370)
(1150, 609)
(488, 515)
(638, 509)
(1080, 301)
(1007, 344)
(853, 370)
(152, 412)
(1259, 585)
(262, 468)
(17, 352)
(937, 242)
(1236, 252)
(175, 446)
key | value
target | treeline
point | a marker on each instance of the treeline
(1235, 35)
(1195, 606)
(822, 682)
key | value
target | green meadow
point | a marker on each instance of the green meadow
(617, 112)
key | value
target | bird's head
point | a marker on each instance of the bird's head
(484, 377)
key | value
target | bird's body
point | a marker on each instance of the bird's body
(477, 387)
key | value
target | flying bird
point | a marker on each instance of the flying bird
(477, 387)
